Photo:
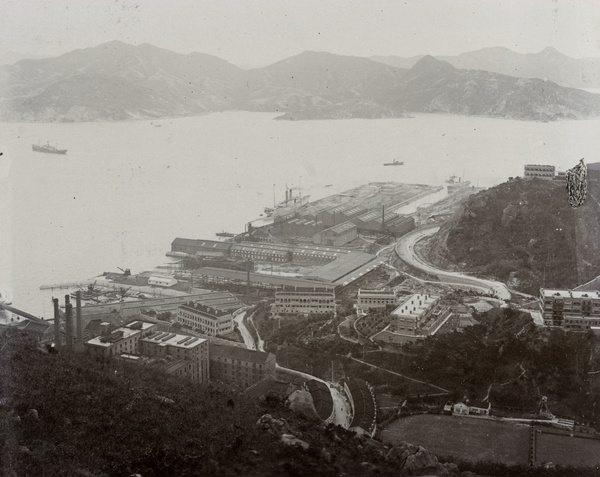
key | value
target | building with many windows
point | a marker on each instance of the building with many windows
(124, 340)
(303, 303)
(375, 299)
(241, 366)
(181, 355)
(541, 171)
(205, 319)
(570, 309)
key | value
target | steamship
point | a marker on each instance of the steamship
(48, 148)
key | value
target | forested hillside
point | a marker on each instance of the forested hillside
(523, 232)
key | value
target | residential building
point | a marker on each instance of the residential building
(378, 299)
(240, 366)
(472, 408)
(570, 309)
(124, 340)
(205, 319)
(541, 171)
(303, 303)
(184, 356)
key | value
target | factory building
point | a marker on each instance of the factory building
(303, 303)
(571, 309)
(205, 319)
(208, 248)
(241, 366)
(337, 235)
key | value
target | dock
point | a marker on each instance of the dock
(62, 285)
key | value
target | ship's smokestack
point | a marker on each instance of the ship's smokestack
(56, 324)
(79, 320)
(69, 321)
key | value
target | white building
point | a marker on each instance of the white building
(124, 340)
(205, 319)
(162, 280)
(570, 309)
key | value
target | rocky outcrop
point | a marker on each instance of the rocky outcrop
(416, 460)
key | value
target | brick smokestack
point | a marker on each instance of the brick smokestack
(56, 324)
(69, 321)
(79, 320)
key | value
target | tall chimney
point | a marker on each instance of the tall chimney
(56, 324)
(79, 320)
(69, 321)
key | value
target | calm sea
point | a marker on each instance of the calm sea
(125, 190)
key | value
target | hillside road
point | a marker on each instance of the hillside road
(405, 248)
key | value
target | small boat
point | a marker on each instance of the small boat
(47, 148)
(395, 163)
(224, 234)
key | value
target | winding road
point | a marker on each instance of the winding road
(405, 249)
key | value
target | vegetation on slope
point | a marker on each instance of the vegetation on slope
(521, 232)
(509, 359)
(67, 414)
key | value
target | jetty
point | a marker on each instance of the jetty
(62, 285)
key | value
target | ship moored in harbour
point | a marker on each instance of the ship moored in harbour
(47, 148)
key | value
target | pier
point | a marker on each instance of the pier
(61, 285)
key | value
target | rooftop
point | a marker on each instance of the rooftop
(243, 354)
(547, 293)
(415, 305)
(339, 269)
(164, 338)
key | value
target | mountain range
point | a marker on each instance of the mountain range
(117, 81)
(548, 64)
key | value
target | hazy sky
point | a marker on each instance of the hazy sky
(260, 32)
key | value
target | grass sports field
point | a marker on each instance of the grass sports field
(463, 437)
(560, 448)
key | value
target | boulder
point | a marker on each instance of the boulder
(421, 462)
(291, 440)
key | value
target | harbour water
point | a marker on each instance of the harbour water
(125, 190)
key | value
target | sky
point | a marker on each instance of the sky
(261, 32)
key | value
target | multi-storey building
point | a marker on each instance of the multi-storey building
(185, 356)
(205, 319)
(124, 340)
(417, 317)
(541, 171)
(240, 366)
(375, 299)
(570, 309)
(301, 303)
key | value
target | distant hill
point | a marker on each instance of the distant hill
(117, 81)
(524, 232)
(548, 64)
